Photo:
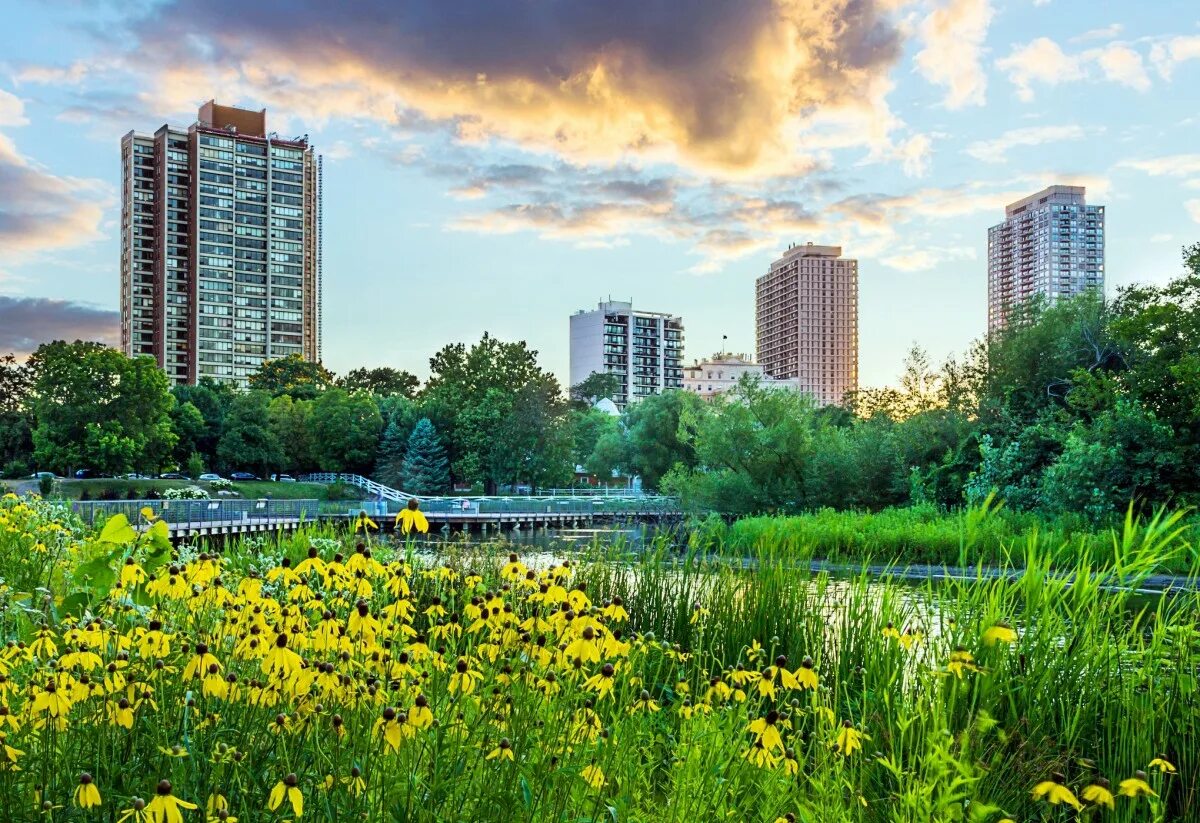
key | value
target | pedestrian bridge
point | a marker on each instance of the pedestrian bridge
(201, 518)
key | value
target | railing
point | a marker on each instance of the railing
(189, 514)
(469, 506)
(365, 483)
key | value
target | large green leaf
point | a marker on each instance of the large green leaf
(117, 530)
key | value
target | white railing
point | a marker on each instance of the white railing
(365, 483)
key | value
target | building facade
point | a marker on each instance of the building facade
(1050, 244)
(718, 374)
(220, 246)
(806, 313)
(644, 349)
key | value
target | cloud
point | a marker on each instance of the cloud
(953, 35)
(724, 85)
(1193, 209)
(1162, 237)
(995, 150)
(1123, 65)
(1044, 61)
(913, 259)
(1108, 32)
(1173, 165)
(12, 110)
(40, 210)
(1168, 54)
(27, 322)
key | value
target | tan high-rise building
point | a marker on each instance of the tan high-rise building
(806, 311)
(220, 246)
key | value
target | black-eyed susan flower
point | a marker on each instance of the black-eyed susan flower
(766, 731)
(593, 776)
(1162, 764)
(287, 789)
(1136, 786)
(503, 751)
(603, 682)
(87, 796)
(806, 675)
(1099, 793)
(165, 807)
(849, 739)
(999, 633)
(136, 813)
(644, 703)
(411, 517)
(1054, 792)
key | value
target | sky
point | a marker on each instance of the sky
(496, 165)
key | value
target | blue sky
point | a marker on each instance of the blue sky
(497, 164)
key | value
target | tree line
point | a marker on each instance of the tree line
(1080, 407)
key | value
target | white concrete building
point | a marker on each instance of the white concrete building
(718, 374)
(644, 349)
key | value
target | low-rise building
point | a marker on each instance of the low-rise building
(721, 372)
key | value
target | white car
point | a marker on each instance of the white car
(208, 478)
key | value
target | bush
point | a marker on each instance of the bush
(152, 494)
(84, 494)
(186, 493)
(133, 494)
(343, 491)
(16, 469)
(45, 486)
(221, 484)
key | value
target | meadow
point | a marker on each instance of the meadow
(330, 676)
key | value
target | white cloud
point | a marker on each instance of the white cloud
(913, 155)
(994, 151)
(1041, 60)
(1106, 33)
(1172, 165)
(1123, 65)
(1162, 237)
(1044, 61)
(1167, 55)
(953, 35)
(922, 259)
(12, 110)
(1193, 209)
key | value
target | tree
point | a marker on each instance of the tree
(345, 431)
(15, 384)
(97, 408)
(426, 470)
(16, 431)
(652, 428)
(587, 427)
(211, 398)
(382, 381)
(291, 423)
(293, 375)
(190, 430)
(595, 387)
(401, 415)
(247, 441)
(502, 416)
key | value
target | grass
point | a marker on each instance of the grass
(915, 715)
(72, 489)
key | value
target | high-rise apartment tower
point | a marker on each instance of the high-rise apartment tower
(1050, 244)
(806, 310)
(220, 246)
(644, 349)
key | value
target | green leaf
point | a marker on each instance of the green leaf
(74, 604)
(526, 795)
(117, 530)
(160, 535)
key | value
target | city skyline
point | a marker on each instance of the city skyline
(466, 191)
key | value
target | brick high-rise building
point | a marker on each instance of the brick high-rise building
(1050, 244)
(220, 246)
(806, 310)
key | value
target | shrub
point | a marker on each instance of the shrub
(221, 484)
(84, 494)
(45, 486)
(133, 494)
(186, 493)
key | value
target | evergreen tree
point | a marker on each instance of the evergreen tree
(426, 470)
(389, 465)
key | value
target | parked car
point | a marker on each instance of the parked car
(40, 475)
(283, 478)
(210, 477)
(243, 476)
(173, 476)
(137, 476)
(85, 474)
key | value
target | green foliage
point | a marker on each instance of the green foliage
(345, 431)
(292, 375)
(425, 469)
(595, 387)
(382, 382)
(291, 421)
(654, 442)
(97, 408)
(247, 439)
(45, 486)
(190, 428)
(193, 467)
